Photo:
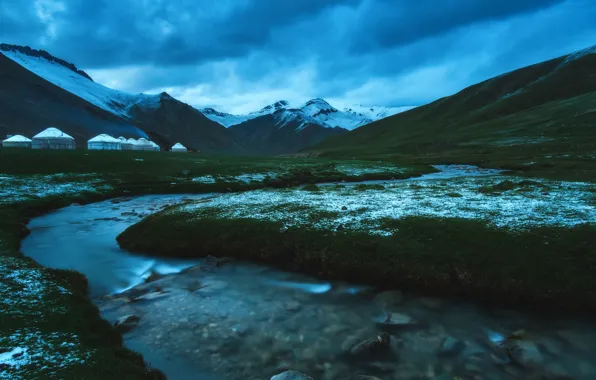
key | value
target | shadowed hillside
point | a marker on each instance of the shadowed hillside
(542, 110)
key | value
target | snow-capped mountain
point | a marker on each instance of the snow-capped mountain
(77, 82)
(316, 111)
(376, 112)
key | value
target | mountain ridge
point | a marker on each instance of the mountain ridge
(522, 117)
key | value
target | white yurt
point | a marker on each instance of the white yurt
(133, 143)
(125, 144)
(179, 148)
(104, 142)
(155, 146)
(144, 144)
(17, 141)
(52, 138)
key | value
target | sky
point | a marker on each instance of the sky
(240, 55)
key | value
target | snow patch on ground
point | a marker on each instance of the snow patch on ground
(22, 188)
(563, 204)
(32, 353)
(27, 291)
(247, 178)
(353, 170)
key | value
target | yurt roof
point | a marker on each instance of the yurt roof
(121, 138)
(132, 141)
(104, 138)
(52, 133)
(154, 144)
(178, 146)
(143, 140)
(17, 138)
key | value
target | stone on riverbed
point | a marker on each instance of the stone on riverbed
(291, 375)
(127, 323)
(394, 321)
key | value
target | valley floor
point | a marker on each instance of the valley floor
(48, 326)
(516, 240)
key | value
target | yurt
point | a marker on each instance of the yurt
(155, 146)
(144, 144)
(52, 138)
(134, 144)
(125, 144)
(179, 148)
(17, 141)
(104, 142)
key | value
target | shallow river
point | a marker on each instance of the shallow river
(234, 320)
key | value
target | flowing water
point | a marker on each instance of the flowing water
(209, 319)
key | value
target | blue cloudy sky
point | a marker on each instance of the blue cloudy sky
(239, 55)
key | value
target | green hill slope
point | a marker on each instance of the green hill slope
(542, 115)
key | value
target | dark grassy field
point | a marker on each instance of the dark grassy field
(545, 268)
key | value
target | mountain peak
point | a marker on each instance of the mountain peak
(42, 54)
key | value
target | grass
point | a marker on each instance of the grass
(525, 250)
(544, 267)
(47, 307)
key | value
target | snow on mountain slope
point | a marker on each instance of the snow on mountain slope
(114, 101)
(315, 111)
(376, 112)
(225, 119)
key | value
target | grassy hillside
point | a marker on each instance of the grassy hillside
(540, 116)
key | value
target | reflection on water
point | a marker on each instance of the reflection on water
(246, 321)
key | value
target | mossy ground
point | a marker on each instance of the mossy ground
(36, 182)
(546, 263)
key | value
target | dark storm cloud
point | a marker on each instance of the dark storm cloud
(388, 23)
(374, 51)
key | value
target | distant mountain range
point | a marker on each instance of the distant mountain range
(42, 90)
(315, 111)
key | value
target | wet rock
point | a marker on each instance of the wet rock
(394, 322)
(451, 346)
(386, 300)
(526, 354)
(127, 323)
(153, 276)
(291, 375)
(344, 208)
(340, 227)
(370, 347)
(292, 306)
(129, 213)
(150, 296)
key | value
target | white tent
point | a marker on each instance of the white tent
(125, 144)
(179, 148)
(104, 142)
(17, 141)
(144, 144)
(52, 138)
(155, 146)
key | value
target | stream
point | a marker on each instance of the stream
(213, 319)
